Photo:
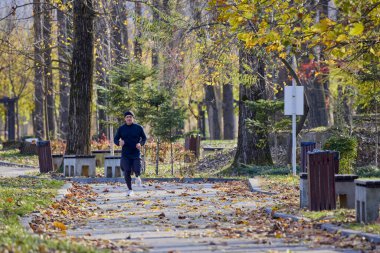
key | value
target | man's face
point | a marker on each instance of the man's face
(129, 119)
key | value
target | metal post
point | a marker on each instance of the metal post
(294, 121)
(294, 130)
(11, 119)
(111, 139)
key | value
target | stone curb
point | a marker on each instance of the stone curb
(347, 232)
(253, 184)
(9, 164)
(122, 180)
(26, 220)
(284, 215)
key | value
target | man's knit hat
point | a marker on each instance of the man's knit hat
(129, 113)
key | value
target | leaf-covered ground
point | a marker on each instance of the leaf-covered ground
(183, 217)
(14, 156)
(20, 196)
(287, 201)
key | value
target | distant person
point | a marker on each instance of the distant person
(131, 137)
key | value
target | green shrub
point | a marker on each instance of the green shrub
(367, 171)
(347, 147)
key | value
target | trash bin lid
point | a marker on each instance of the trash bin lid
(307, 143)
(31, 140)
(42, 143)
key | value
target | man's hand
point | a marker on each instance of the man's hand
(138, 146)
(121, 142)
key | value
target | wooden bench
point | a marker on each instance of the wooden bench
(367, 200)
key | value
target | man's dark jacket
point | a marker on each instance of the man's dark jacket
(131, 135)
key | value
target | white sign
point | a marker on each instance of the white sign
(293, 100)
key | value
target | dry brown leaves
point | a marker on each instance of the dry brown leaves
(73, 210)
(263, 228)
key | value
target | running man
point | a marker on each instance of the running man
(130, 137)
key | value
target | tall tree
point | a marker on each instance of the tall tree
(117, 24)
(38, 74)
(48, 73)
(81, 77)
(64, 56)
(315, 75)
(253, 147)
(228, 112)
(103, 52)
(138, 33)
(156, 17)
(212, 98)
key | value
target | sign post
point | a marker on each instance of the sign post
(294, 106)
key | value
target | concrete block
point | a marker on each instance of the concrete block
(112, 166)
(367, 200)
(344, 190)
(304, 191)
(57, 161)
(79, 165)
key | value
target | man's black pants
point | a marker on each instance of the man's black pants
(129, 165)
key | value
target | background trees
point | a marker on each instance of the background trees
(208, 57)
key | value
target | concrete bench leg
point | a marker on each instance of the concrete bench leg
(112, 166)
(367, 204)
(304, 193)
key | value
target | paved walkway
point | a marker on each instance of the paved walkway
(11, 171)
(174, 217)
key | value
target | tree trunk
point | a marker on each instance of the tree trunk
(81, 75)
(119, 32)
(157, 155)
(64, 54)
(137, 42)
(228, 112)
(171, 157)
(156, 16)
(316, 87)
(249, 149)
(201, 120)
(48, 73)
(39, 130)
(212, 113)
(102, 65)
(315, 93)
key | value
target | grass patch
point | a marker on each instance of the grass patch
(332, 216)
(20, 196)
(279, 181)
(219, 143)
(14, 156)
(252, 171)
(368, 228)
